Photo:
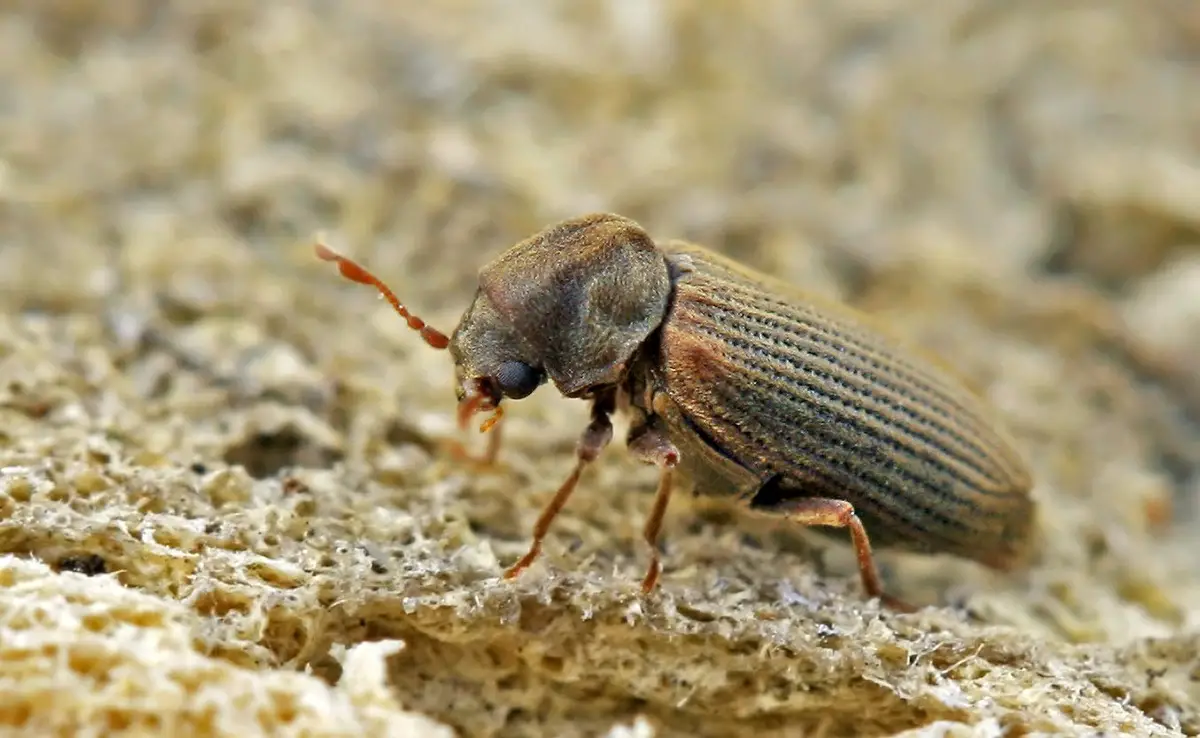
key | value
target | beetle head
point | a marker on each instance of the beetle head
(570, 304)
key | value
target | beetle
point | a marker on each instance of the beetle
(740, 385)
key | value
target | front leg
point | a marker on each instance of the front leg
(649, 443)
(595, 437)
(487, 460)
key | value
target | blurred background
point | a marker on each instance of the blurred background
(1014, 184)
(805, 137)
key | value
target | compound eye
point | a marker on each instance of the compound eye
(517, 379)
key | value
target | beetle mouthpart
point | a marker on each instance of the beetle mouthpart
(478, 396)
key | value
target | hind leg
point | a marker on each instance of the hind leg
(813, 511)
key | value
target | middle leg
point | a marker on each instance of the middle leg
(650, 444)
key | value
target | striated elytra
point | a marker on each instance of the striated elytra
(741, 385)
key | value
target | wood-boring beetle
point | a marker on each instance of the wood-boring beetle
(742, 385)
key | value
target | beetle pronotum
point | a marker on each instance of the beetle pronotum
(739, 383)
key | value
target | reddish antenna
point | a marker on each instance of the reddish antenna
(354, 272)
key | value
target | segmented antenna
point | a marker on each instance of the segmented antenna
(355, 272)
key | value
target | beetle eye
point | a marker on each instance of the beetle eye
(517, 379)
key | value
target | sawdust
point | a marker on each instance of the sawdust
(226, 507)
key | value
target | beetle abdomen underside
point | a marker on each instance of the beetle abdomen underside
(785, 387)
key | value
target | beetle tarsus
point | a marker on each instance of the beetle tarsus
(654, 526)
(651, 445)
(840, 514)
(487, 459)
(542, 527)
(595, 437)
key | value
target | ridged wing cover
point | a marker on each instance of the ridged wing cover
(783, 385)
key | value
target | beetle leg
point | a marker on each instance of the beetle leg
(595, 437)
(840, 514)
(459, 450)
(651, 445)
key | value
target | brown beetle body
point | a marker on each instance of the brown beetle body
(766, 387)
(745, 387)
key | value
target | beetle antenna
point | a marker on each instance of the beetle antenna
(355, 272)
